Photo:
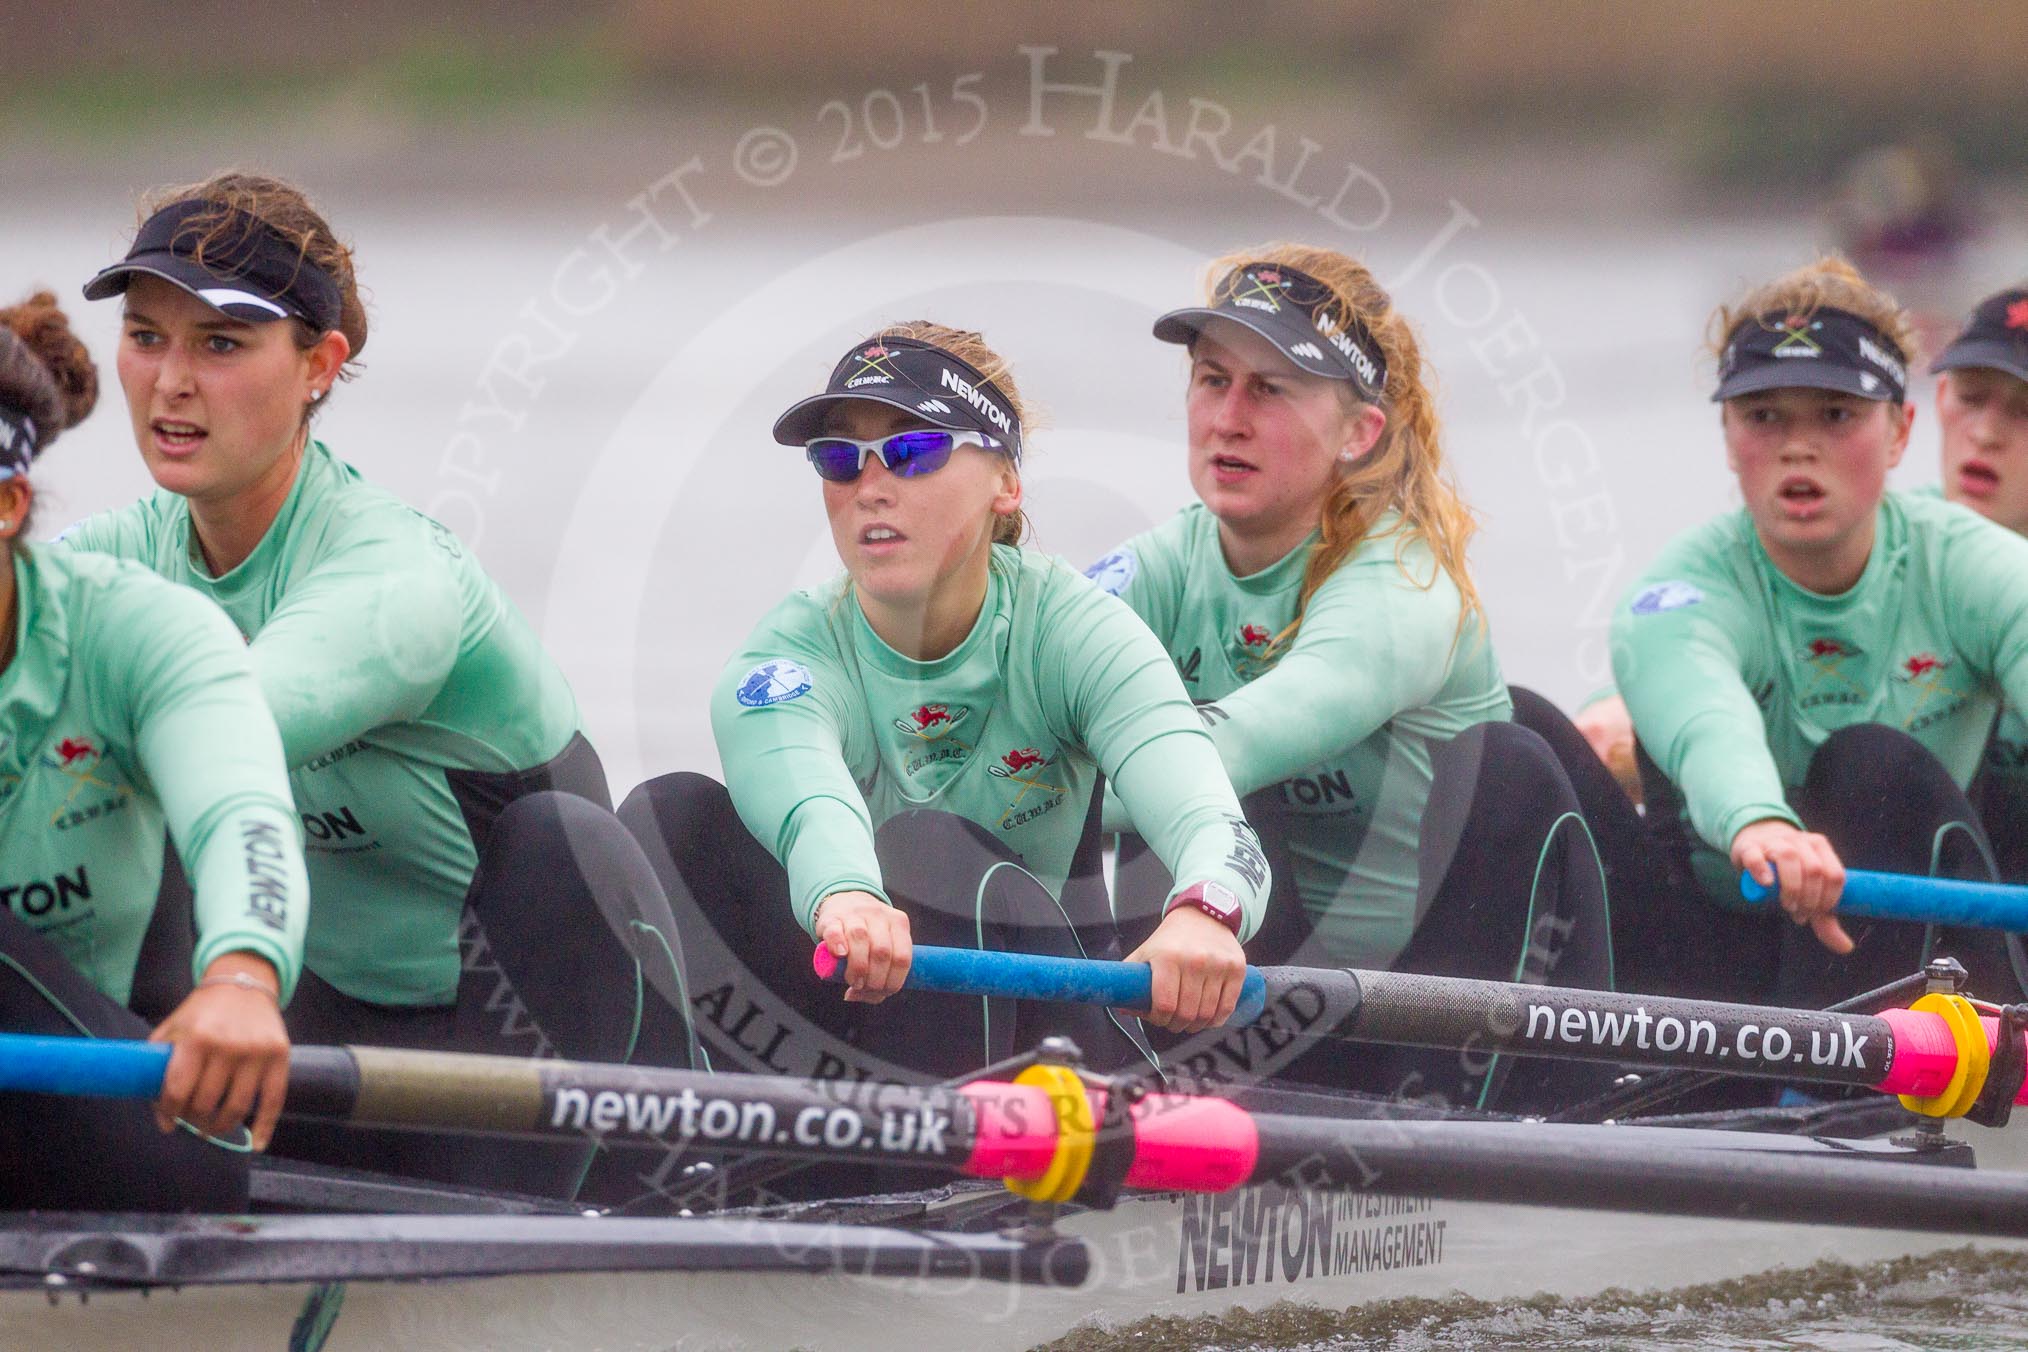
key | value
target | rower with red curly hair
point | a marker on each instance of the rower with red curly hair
(1319, 606)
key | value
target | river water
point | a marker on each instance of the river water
(1958, 1299)
(593, 418)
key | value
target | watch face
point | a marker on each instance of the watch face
(1220, 898)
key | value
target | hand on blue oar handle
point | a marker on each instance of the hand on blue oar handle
(1802, 869)
(1921, 900)
(1196, 969)
(870, 940)
(1026, 976)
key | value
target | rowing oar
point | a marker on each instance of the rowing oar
(1025, 976)
(1929, 901)
(1936, 1055)
(1041, 1135)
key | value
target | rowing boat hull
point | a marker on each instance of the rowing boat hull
(1487, 1252)
(1152, 1255)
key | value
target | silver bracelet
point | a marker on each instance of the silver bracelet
(244, 982)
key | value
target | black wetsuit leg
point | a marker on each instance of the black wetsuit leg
(1667, 938)
(562, 908)
(319, 1015)
(567, 908)
(758, 1006)
(83, 1154)
(1508, 868)
(1887, 804)
(162, 973)
(575, 955)
(962, 888)
(1498, 796)
(1510, 890)
(1623, 845)
(1673, 939)
(761, 1007)
(2001, 800)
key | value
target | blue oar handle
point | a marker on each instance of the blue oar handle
(1929, 901)
(80, 1065)
(1024, 976)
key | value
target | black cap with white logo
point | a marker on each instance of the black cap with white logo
(1295, 312)
(246, 270)
(18, 441)
(918, 377)
(1827, 349)
(1996, 337)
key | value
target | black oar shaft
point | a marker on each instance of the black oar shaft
(1587, 1168)
(1479, 1018)
(501, 1095)
(1012, 1130)
(1482, 1017)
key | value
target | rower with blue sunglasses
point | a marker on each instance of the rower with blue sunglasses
(906, 454)
(915, 752)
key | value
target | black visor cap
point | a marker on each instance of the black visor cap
(248, 270)
(920, 379)
(1827, 349)
(1996, 338)
(1294, 311)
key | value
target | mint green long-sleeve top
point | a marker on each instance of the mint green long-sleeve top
(1340, 721)
(395, 667)
(826, 731)
(1734, 675)
(2007, 750)
(129, 709)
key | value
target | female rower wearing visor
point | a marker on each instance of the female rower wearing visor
(444, 788)
(129, 716)
(1982, 414)
(914, 751)
(1318, 606)
(1813, 677)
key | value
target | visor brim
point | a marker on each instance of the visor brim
(804, 420)
(1183, 326)
(225, 295)
(1992, 354)
(1801, 375)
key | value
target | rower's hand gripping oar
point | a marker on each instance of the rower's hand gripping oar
(1938, 1055)
(971, 971)
(1929, 901)
(1043, 1136)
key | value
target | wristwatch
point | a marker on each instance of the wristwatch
(1214, 899)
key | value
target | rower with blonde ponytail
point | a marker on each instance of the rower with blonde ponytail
(1320, 607)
